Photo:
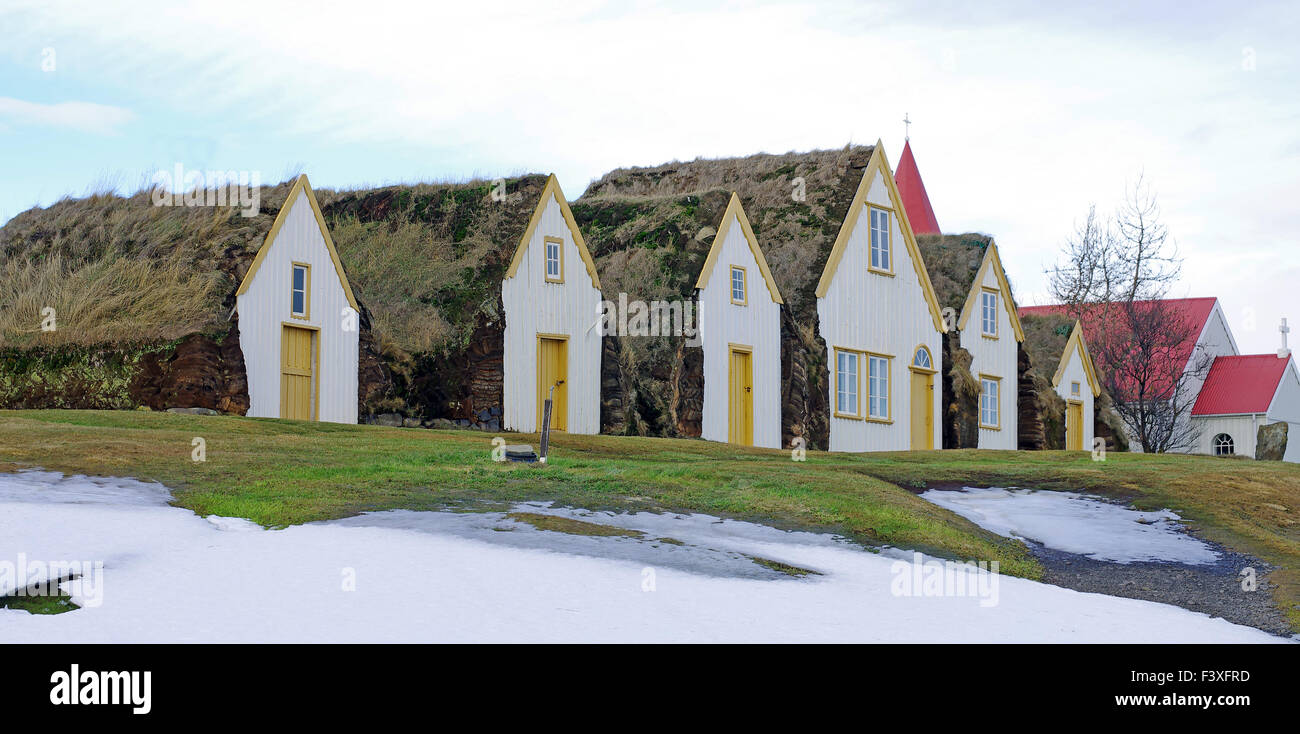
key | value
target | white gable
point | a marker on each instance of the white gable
(888, 315)
(264, 309)
(995, 356)
(534, 307)
(755, 325)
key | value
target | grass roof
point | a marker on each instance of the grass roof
(678, 206)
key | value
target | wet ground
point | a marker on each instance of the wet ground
(1088, 543)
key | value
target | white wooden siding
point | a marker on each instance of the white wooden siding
(757, 325)
(534, 306)
(877, 313)
(996, 358)
(1076, 372)
(265, 307)
(1242, 428)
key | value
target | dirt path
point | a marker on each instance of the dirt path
(1214, 589)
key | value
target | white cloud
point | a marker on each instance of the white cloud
(83, 116)
(1023, 116)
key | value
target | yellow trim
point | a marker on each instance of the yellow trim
(889, 388)
(304, 187)
(546, 260)
(747, 428)
(984, 425)
(315, 376)
(880, 163)
(1077, 342)
(871, 268)
(542, 393)
(734, 208)
(911, 364)
(552, 190)
(835, 383)
(744, 285)
(991, 257)
(306, 291)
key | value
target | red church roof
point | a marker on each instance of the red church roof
(1194, 312)
(915, 200)
(1242, 384)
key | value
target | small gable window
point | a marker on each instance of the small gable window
(846, 384)
(989, 313)
(989, 388)
(554, 260)
(1074, 389)
(738, 286)
(300, 298)
(1223, 445)
(922, 359)
(881, 257)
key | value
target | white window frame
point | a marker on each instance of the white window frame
(1216, 444)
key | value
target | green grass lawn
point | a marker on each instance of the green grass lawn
(283, 472)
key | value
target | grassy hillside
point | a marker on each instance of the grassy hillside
(123, 275)
(281, 472)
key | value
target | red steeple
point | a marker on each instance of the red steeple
(912, 189)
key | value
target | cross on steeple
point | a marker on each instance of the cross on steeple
(1284, 352)
(907, 127)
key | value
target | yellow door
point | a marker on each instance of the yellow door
(922, 411)
(297, 374)
(1074, 427)
(553, 370)
(740, 423)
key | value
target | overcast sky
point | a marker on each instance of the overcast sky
(1022, 117)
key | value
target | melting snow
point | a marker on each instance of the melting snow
(1077, 523)
(171, 576)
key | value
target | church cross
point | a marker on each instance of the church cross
(907, 127)
(1285, 330)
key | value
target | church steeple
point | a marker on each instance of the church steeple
(912, 189)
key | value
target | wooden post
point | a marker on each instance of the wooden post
(546, 424)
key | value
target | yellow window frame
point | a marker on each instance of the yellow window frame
(998, 381)
(835, 383)
(889, 236)
(889, 388)
(306, 291)
(744, 285)
(546, 259)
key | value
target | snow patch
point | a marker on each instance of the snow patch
(1077, 523)
(171, 576)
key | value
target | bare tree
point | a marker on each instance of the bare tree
(1124, 258)
(1114, 272)
(1151, 368)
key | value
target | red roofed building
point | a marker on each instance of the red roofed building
(1201, 316)
(1242, 393)
(911, 189)
(1238, 393)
